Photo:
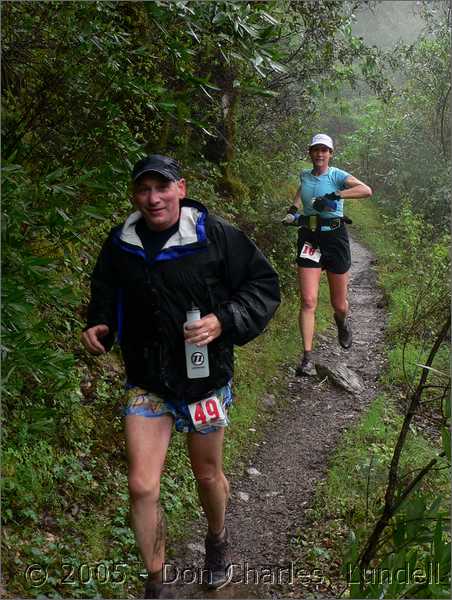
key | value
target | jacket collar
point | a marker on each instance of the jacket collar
(191, 226)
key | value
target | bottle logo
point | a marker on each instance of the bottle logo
(197, 359)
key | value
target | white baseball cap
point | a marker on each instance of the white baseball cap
(322, 138)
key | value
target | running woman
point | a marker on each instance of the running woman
(323, 242)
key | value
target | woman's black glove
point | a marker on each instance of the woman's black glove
(326, 202)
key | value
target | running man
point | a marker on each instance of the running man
(169, 256)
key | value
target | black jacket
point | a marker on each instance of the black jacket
(207, 263)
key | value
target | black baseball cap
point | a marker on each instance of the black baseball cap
(164, 165)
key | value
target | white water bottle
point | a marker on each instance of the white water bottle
(288, 219)
(196, 358)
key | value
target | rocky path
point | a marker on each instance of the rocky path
(270, 498)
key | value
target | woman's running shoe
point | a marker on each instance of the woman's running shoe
(344, 332)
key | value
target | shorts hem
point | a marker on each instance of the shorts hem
(130, 412)
(310, 266)
(206, 431)
(336, 272)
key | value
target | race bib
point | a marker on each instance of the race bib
(308, 251)
(207, 413)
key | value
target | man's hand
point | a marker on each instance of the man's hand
(327, 202)
(204, 331)
(92, 336)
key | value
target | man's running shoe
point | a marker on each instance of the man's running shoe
(306, 368)
(344, 331)
(218, 560)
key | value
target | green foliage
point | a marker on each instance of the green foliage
(351, 498)
(417, 563)
(414, 264)
(359, 469)
(413, 267)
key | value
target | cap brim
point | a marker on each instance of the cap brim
(321, 144)
(162, 172)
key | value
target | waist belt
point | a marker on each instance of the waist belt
(316, 223)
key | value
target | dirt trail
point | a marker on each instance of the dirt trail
(294, 454)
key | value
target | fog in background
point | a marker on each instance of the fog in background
(388, 22)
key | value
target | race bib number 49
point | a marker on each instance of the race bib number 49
(206, 413)
(308, 251)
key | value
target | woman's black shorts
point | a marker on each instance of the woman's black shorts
(334, 247)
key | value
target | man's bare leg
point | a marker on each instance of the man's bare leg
(147, 443)
(206, 456)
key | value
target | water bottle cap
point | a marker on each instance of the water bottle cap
(193, 314)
